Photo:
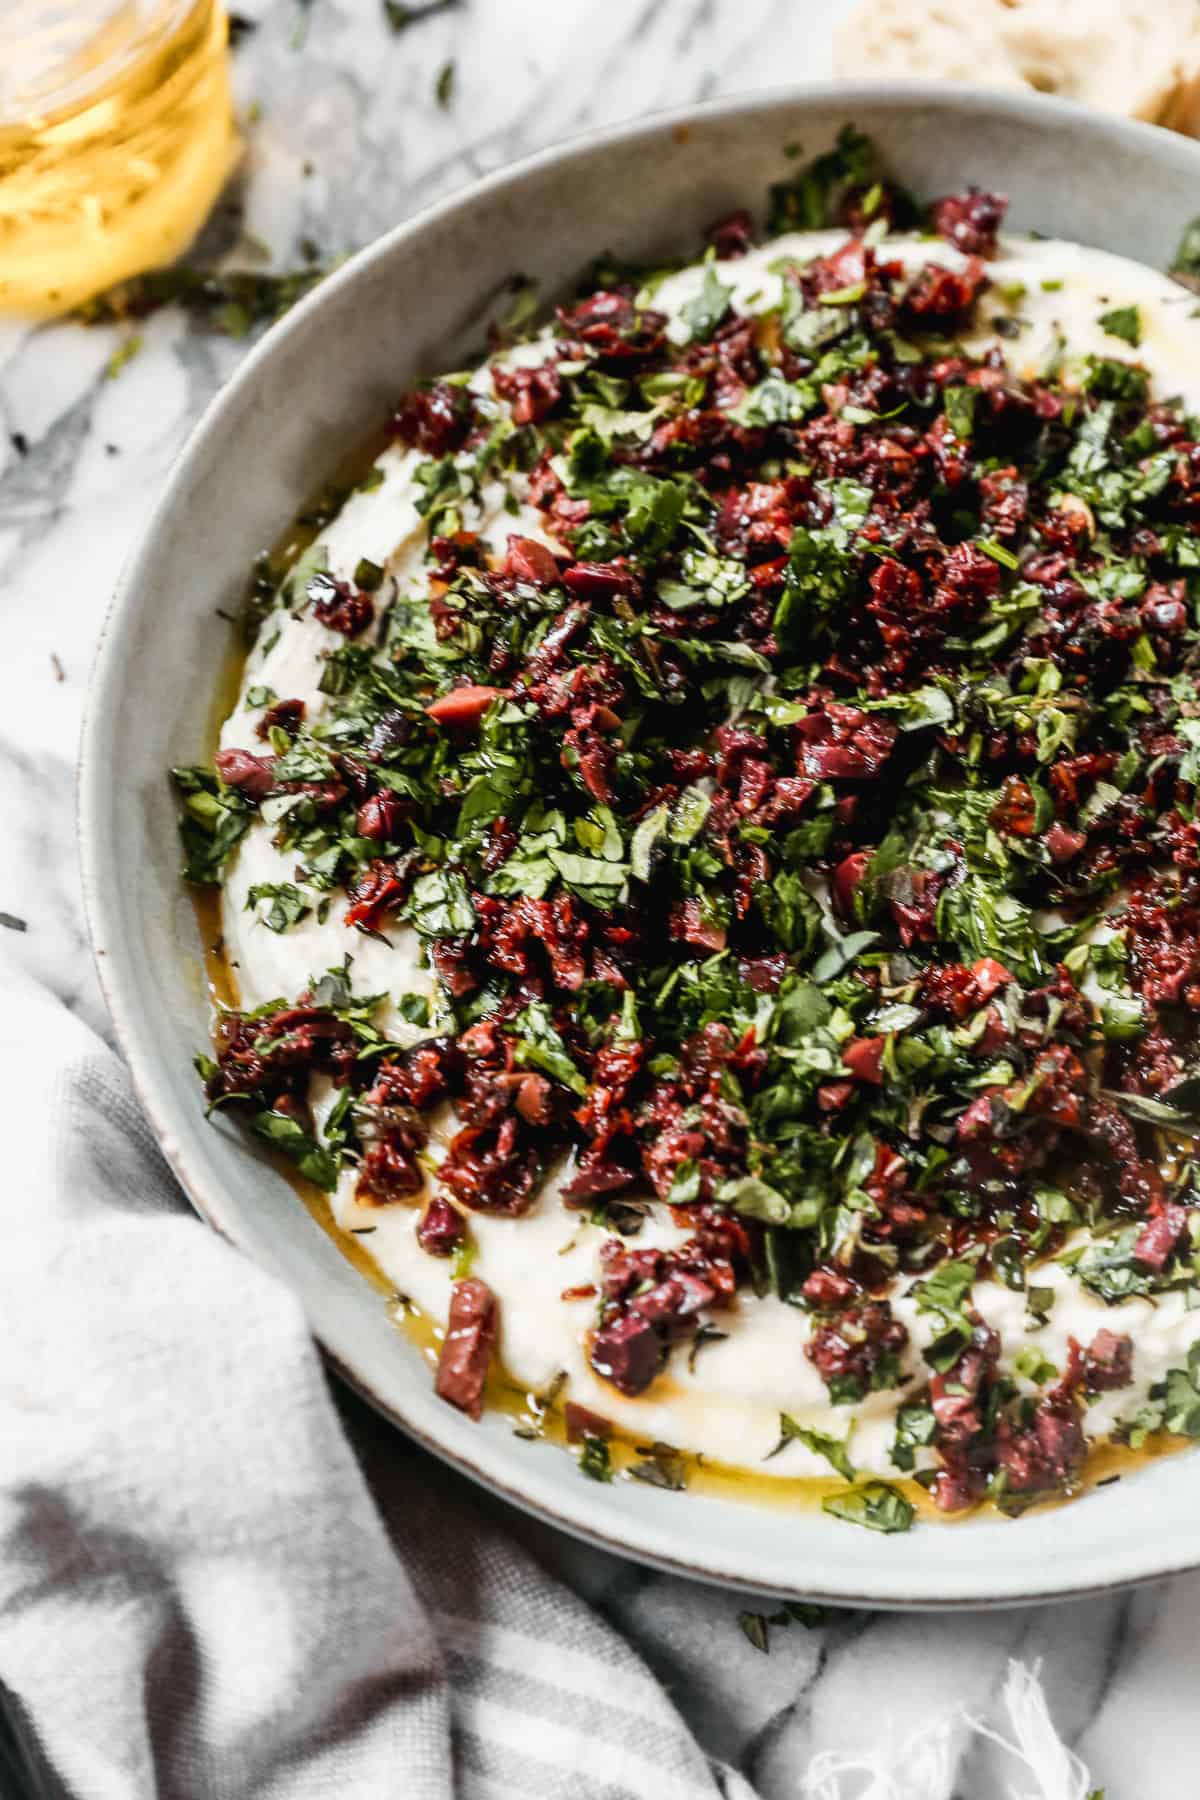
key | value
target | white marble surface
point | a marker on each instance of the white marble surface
(348, 140)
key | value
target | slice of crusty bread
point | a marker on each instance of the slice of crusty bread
(1138, 57)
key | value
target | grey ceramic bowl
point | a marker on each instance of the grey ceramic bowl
(317, 385)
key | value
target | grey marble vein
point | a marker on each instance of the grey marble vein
(348, 138)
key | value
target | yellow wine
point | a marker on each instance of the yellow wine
(116, 137)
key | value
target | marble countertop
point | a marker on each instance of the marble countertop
(345, 136)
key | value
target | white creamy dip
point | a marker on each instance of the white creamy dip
(727, 1404)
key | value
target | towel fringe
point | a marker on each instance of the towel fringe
(922, 1766)
(1057, 1771)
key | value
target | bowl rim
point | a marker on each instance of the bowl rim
(557, 1504)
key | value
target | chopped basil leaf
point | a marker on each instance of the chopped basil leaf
(286, 1134)
(915, 1429)
(1123, 322)
(875, 1505)
(704, 312)
(820, 1443)
(287, 904)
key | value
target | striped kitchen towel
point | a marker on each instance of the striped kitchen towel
(210, 1591)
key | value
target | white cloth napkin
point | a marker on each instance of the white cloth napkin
(199, 1595)
(220, 1580)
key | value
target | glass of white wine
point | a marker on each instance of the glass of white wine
(116, 137)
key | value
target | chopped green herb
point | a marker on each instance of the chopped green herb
(594, 1459)
(123, 355)
(960, 404)
(754, 1628)
(660, 1466)
(287, 1135)
(704, 313)
(1034, 1366)
(287, 905)
(1123, 322)
(875, 1505)
(1186, 266)
(400, 16)
(831, 1448)
(915, 1429)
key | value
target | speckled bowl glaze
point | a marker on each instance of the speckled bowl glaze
(316, 386)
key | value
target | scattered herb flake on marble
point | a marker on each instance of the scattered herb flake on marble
(229, 302)
(122, 356)
(401, 17)
(299, 35)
